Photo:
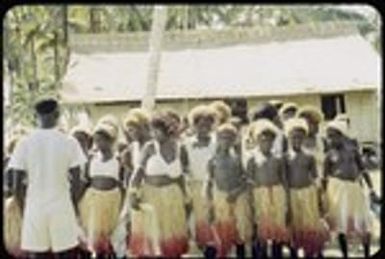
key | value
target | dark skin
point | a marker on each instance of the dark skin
(168, 151)
(203, 126)
(302, 168)
(84, 140)
(104, 144)
(343, 161)
(225, 169)
(273, 172)
(133, 132)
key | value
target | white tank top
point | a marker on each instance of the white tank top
(108, 168)
(199, 158)
(156, 165)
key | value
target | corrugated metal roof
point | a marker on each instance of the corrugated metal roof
(338, 64)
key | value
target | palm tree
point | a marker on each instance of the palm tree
(158, 25)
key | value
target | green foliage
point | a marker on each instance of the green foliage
(36, 37)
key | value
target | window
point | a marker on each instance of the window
(332, 105)
(238, 108)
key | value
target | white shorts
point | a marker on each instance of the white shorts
(49, 227)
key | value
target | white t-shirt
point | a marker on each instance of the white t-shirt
(47, 155)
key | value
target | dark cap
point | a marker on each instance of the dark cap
(46, 106)
(264, 111)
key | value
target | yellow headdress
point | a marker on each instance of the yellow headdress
(136, 117)
(109, 119)
(338, 125)
(107, 128)
(82, 129)
(227, 127)
(201, 110)
(287, 106)
(108, 124)
(262, 125)
(222, 110)
(295, 123)
(312, 112)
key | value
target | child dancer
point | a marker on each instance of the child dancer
(226, 188)
(158, 184)
(348, 207)
(200, 148)
(308, 230)
(270, 191)
(136, 126)
(100, 206)
(313, 142)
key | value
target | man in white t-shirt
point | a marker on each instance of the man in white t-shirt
(48, 158)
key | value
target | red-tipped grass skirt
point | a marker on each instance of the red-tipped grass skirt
(202, 230)
(270, 213)
(12, 227)
(308, 230)
(348, 209)
(159, 228)
(232, 222)
(99, 212)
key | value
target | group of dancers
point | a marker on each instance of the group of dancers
(275, 181)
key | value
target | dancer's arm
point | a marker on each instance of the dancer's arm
(138, 175)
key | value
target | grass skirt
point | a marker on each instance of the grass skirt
(166, 205)
(12, 227)
(99, 212)
(348, 209)
(200, 208)
(308, 230)
(232, 221)
(270, 213)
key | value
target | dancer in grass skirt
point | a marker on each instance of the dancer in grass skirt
(159, 183)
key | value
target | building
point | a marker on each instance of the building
(328, 65)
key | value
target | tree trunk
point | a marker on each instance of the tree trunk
(56, 57)
(34, 65)
(158, 24)
(64, 12)
(185, 17)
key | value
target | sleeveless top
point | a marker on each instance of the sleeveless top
(108, 168)
(199, 157)
(157, 166)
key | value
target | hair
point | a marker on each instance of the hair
(296, 124)
(201, 111)
(288, 106)
(312, 112)
(166, 121)
(137, 117)
(227, 127)
(261, 126)
(264, 111)
(223, 111)
(46, 106)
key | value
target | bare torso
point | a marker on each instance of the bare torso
(301, 170)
